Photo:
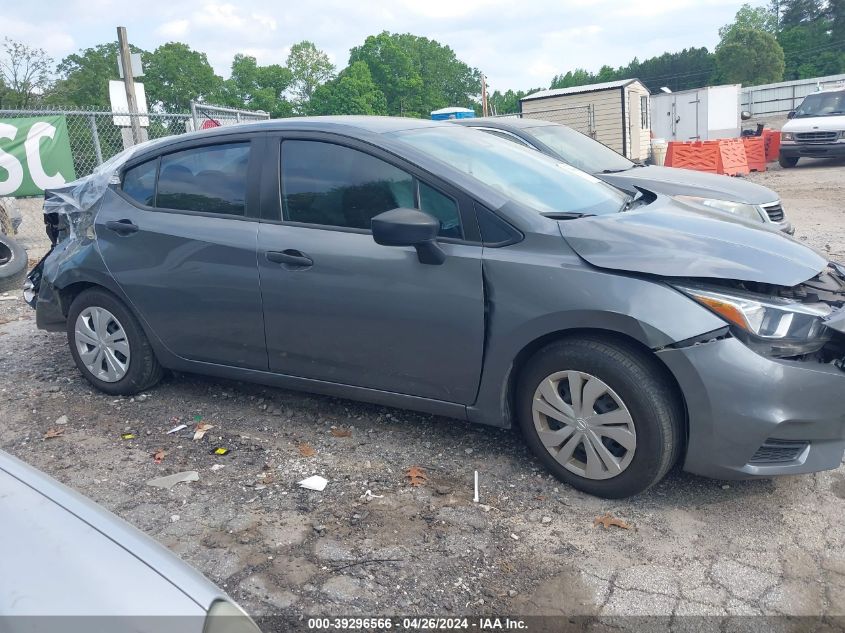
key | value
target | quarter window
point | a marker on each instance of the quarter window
(139, 183)
(332, 185)
(208, 179)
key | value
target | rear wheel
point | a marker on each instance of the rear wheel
(109, 346)
(600, 415)
(787, 162)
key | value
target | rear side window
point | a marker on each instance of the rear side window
(332, 185)
(139, 183)
(208, 179)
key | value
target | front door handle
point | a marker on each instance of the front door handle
(122, 227)
(290, 257)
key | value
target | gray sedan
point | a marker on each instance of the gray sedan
(71, 566)
(421, 265)
(730, 195)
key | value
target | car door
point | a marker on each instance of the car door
(179, 237)
(340, 308)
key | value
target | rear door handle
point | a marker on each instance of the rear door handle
(290, 257)
(122, 227)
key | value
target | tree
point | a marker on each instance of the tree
(748, 17)
(24, 74)
(353, 91)
(416, 74)
(175, 75)
(508, 102)
(750, 57)
(797, 12)
(255, 87)
(309, 67)
(84, 76)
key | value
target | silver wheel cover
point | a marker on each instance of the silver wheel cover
(584, 424)
(102, 344)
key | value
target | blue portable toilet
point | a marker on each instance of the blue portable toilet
(444, 114)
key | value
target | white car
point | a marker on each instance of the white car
(816, 129)
(67, 565)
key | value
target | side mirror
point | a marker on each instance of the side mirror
(409, 227)
(745, 115)
(791, 115)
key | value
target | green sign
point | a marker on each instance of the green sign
(34, 155)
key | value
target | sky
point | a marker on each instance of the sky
(517, 44)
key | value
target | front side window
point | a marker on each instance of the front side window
(332, 185)
(209, 179)
(139, 182)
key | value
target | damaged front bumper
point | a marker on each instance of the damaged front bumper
(753, 416)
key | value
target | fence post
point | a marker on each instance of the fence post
(238, 117)
(95, 137)
(194, 115)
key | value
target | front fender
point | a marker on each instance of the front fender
(539, 297)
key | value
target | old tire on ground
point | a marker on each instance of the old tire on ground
(601, 415)
(109, 346)
(787, 162)
(12, 264)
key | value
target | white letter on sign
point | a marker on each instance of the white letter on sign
(8, 162)
(33, 156)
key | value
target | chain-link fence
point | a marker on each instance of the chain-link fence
(581, 118)
(96, 135)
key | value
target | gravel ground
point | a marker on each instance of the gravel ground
(697, 547)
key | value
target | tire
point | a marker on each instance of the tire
(132, 366)
(787, 162)
(12, 264)
(647, 415)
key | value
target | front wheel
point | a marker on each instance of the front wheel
(787, 162)
(109, 346)
(600, 415)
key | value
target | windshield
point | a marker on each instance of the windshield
(822, 104)
(522, 174)
(579, 150)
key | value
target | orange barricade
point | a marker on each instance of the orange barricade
(755, 152)
(725, 156)
(772, 144)
(693, 155)
(733, 160)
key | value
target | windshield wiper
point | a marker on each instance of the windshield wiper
(614, 171)
(566, 215)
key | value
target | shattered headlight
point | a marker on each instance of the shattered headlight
(772, 326)
(743, 210)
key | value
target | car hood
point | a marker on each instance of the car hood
(830, 123)
(68, 556)
(671, 239)
(672, 181)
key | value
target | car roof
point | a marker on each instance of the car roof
(337, 124)
(503, 123)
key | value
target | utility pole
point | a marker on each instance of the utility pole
(129, 83)
(483, 95)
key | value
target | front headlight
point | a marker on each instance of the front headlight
(741, 209)
(227, 617)
(787, 136)
(771, 326)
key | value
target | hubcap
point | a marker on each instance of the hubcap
(584, 424)
(102, 344)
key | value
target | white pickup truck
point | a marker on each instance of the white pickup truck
(816, 129)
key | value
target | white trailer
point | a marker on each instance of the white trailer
(701, 114)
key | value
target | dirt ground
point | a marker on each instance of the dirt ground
(696, 547)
